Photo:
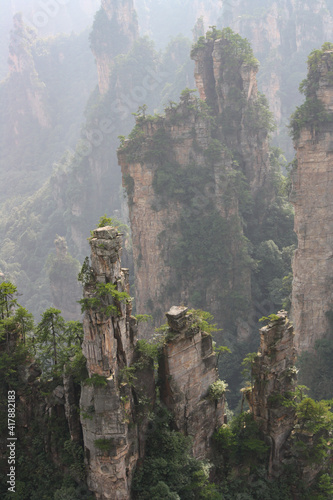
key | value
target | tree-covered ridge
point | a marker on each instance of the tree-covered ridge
(312, 113)
(33, 362)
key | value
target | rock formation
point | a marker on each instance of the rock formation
(281, 36)
(111, 446)
(120, 393)
(274, 375)
(24, 76)
(188, 370)
(65, 289)
(212, 74)
(114, 30)
(312, 197)
(183, 173)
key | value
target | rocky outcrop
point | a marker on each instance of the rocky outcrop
(114, 30)
(274, 375)
(111, 446)
(312, 198)
(180, 175)
(188, 370)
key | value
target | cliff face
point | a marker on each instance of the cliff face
(23, 75)
(65, 290)
(216, 88)
(184, 175)
(114, 30)
(111, 446)
(188, 370)
(274, 376)
(312, 199)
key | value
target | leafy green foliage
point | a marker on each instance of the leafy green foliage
(143, 318)
(258, 117)
(247, 365)
(217, 390)
(7, 300)
(203, 321)
(271, 318)
(220, 351)
(57, 343)
(105, 293)
(107, 35)
(105, 445)
(114, 222)
(240, 443)
(237, 51)
(96, 381)
(148, 350)
(312, 113)
(169, 469)
(50, 334)
(37, 473)
(314, 429)
(86, 275)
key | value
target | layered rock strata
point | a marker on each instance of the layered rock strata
(188, 370)
(312, 295)
(274, 375)
(111, 446)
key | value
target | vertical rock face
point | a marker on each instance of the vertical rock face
(65, 289)
(312, 296)
(188, 369)
(182, 175)
(211, 74)
(72, 402)
(111, 447)
(114, 30)
(274, 375)
(282, 34)
(24, 76)
(150, 218)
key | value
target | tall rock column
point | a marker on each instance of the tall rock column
(114, 30)
(187, 175)
(312, 295)
(28, 95)
(111, 446)
(188, 370)
(274, 376)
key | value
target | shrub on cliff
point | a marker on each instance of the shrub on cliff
(312, 114)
